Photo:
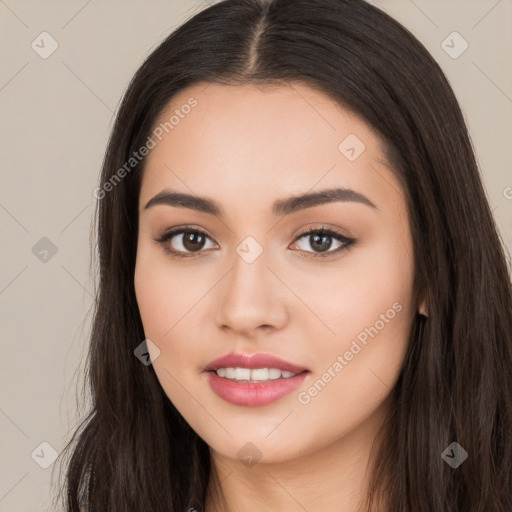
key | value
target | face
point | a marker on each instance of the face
(241, 274)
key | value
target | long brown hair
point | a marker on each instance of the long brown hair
(456, 382)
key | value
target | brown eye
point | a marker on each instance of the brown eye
(184, 241)
(193, 241)
(321, 240)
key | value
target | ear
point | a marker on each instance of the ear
(422, 310)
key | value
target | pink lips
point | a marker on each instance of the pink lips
(252, 394)
(252, 361)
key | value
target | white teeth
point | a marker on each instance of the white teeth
(259, 374)
(274, 373)
(242, 373)
(256, 374)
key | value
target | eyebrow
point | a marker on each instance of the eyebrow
(281, 207)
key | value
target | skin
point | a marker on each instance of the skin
(245, 147)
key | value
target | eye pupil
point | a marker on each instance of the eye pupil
(322, 242)
(193, 241)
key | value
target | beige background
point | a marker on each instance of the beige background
(56, 115)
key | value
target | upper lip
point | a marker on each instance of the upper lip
(253, 361)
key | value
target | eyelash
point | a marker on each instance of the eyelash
(168, 235)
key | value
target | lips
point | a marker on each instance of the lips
(253, 361)
(248, 393)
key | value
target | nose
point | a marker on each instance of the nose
(251, 297)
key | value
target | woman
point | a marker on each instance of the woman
(303, 300)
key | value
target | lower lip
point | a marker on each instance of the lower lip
(252, 394)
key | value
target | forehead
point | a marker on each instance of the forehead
(294, 112)
(250, 140)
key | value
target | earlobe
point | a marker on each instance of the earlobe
(422, 310)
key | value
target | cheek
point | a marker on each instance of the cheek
(170, 300)
(163, 294)
(366, 310)
(155, 301)
(164, 299)
(356, 368)
(371, 286)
